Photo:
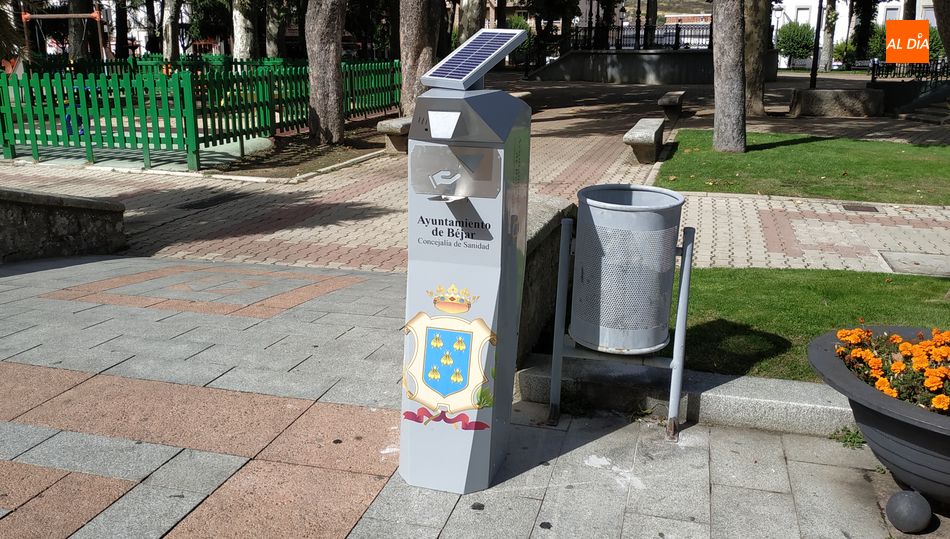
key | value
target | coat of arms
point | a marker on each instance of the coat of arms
(445, 373)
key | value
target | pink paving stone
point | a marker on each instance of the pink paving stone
(120, 299)
(270, 499)
(64, 507)
(202, 418)
(349, 438)
(258, 311)
(65, 294)
(203, 307)
(19, 482)
(24, 386)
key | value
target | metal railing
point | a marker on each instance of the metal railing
(666, 36)
(935, 72)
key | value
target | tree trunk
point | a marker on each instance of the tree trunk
(757, 39)
(170, 29)
(942, 14)
(417, 46)
(649, 31)
(910, 9)
(471, 19)
(828, 36)
(324, 30)
(121, 30)
(243, 19)
(274, 20)
(82, 32)
(152, 41)
(729, 76)
(501, 14)
(864, 10)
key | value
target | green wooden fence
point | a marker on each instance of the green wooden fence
(147, 109)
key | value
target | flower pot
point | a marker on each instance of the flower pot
(913, 443)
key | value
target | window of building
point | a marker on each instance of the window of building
(892, 14)
(928, 14)
(803, 15)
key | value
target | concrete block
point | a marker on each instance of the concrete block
(582, 510)
(837, 103)
(363, 321)
(99, 455)
(143, 512)
(645, 139)
(16, 438)
(270, 359)
(817, 450)
(65, 357)
(529, 462)
(168, 349)
(741, 512)
(195, 471)
(301, 385)
(597, 449)
(401, 503)
(646, 527)
(672, 103)
(747, 459)
(373, 393)
(493, 514)
(165, 370)
(835, 502)
(371, 528)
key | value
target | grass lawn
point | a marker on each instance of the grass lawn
(809, 166)
(760, 321)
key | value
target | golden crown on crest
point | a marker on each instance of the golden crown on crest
(452, 300)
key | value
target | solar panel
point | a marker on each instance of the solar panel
(468, 64)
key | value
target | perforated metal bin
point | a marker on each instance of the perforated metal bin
(623, 267)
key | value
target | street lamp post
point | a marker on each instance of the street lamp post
(590, 22)
(637, 27)
(623, 17)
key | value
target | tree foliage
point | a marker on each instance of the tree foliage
(210, 19)
(796, 40)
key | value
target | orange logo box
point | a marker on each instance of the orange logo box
(908, 42)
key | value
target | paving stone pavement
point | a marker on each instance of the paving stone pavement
(186, 418)
(355, 217)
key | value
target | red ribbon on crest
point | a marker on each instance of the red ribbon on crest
(423, 415)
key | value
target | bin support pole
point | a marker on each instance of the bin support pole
(560, 312)
(679, 339)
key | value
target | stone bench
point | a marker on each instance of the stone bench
(397, 133)
(645, 139)
(672, 103)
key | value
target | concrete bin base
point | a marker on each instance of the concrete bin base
(837, 103)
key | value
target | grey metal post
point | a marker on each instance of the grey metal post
(679, 339)
(560, 311)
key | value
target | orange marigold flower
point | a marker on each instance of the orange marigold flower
(898, 367)
(905, 348)
(875, 362)
(932, 373)
(940, 402)
(940, 338)
(933, 383)
(877, 373)
(896, 339)
(940, 353)
(920, 363)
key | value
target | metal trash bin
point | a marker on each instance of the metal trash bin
(623, 268)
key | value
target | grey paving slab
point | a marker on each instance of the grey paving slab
(15, 438)
(7, 311)
(388, 354)
(648, 527)
(169, 370)
(195, 471)
(371, 528)
(163, 330)
(63, 357)
(582, 510)
(301, 385)
(824, 451)
(9, 327)
(401, 503)
(16, 295)
(143, 512)
(59, 336)
(253, 337)
(361, 305)
(8, 350)
(336, 351)
(492, 514)
(234, 322)
(256, 358)
(297, 314)
(742, 512)
(671, 480)
(155, 348)
(53, 305)
(99, 455)
(373, 393)
(393, 311)
(127, 313)
(535, 414)
(4, 512)
(318, 331)
(71, 321)
(529, 461)
(597, 449)
(918, 263)
(833, 501)
(747, 459)
(363, 321)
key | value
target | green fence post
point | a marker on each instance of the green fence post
(191, 121)
(6, 122)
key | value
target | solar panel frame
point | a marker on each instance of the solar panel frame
(469, 63)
